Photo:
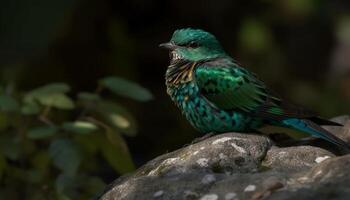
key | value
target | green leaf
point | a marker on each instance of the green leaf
(81, 127)
(30, 108)
(58, 100)
(126, 88)
(42, 132)
(52, 95)
(8, 103)
(115, 151)
(87, 96)
(65, 156)
(50, 88)
(117, 117)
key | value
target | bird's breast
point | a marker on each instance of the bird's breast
(202, 114)
(198, 111)
(183, 93)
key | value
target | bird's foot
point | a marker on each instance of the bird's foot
(206, 136)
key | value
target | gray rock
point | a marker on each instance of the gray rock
(234, 166)
(295, 158)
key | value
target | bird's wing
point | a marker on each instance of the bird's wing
(234, 88)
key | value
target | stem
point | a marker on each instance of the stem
(44, 116)
(85, 110)
(98, 122)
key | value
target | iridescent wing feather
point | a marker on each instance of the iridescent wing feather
(231, 87)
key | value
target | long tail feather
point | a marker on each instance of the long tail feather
(321, 121)
(314, 129)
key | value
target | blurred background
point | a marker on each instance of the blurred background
(52, 137)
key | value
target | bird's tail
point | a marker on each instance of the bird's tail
(314, 129)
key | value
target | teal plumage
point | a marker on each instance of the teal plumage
(217, 95)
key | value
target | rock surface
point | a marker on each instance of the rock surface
(235, 166)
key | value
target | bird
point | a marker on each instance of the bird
(216, 94)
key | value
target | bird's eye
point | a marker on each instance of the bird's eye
(193, 44)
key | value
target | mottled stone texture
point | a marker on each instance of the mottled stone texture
(234, 166)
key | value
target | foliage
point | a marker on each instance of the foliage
(52, 145)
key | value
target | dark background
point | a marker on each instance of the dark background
(300, 48)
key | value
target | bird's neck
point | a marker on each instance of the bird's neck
(183, 71)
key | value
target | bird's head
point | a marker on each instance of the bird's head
(193, 45)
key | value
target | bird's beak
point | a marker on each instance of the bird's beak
(168, 45)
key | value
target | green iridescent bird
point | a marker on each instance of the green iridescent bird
(217, 95)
